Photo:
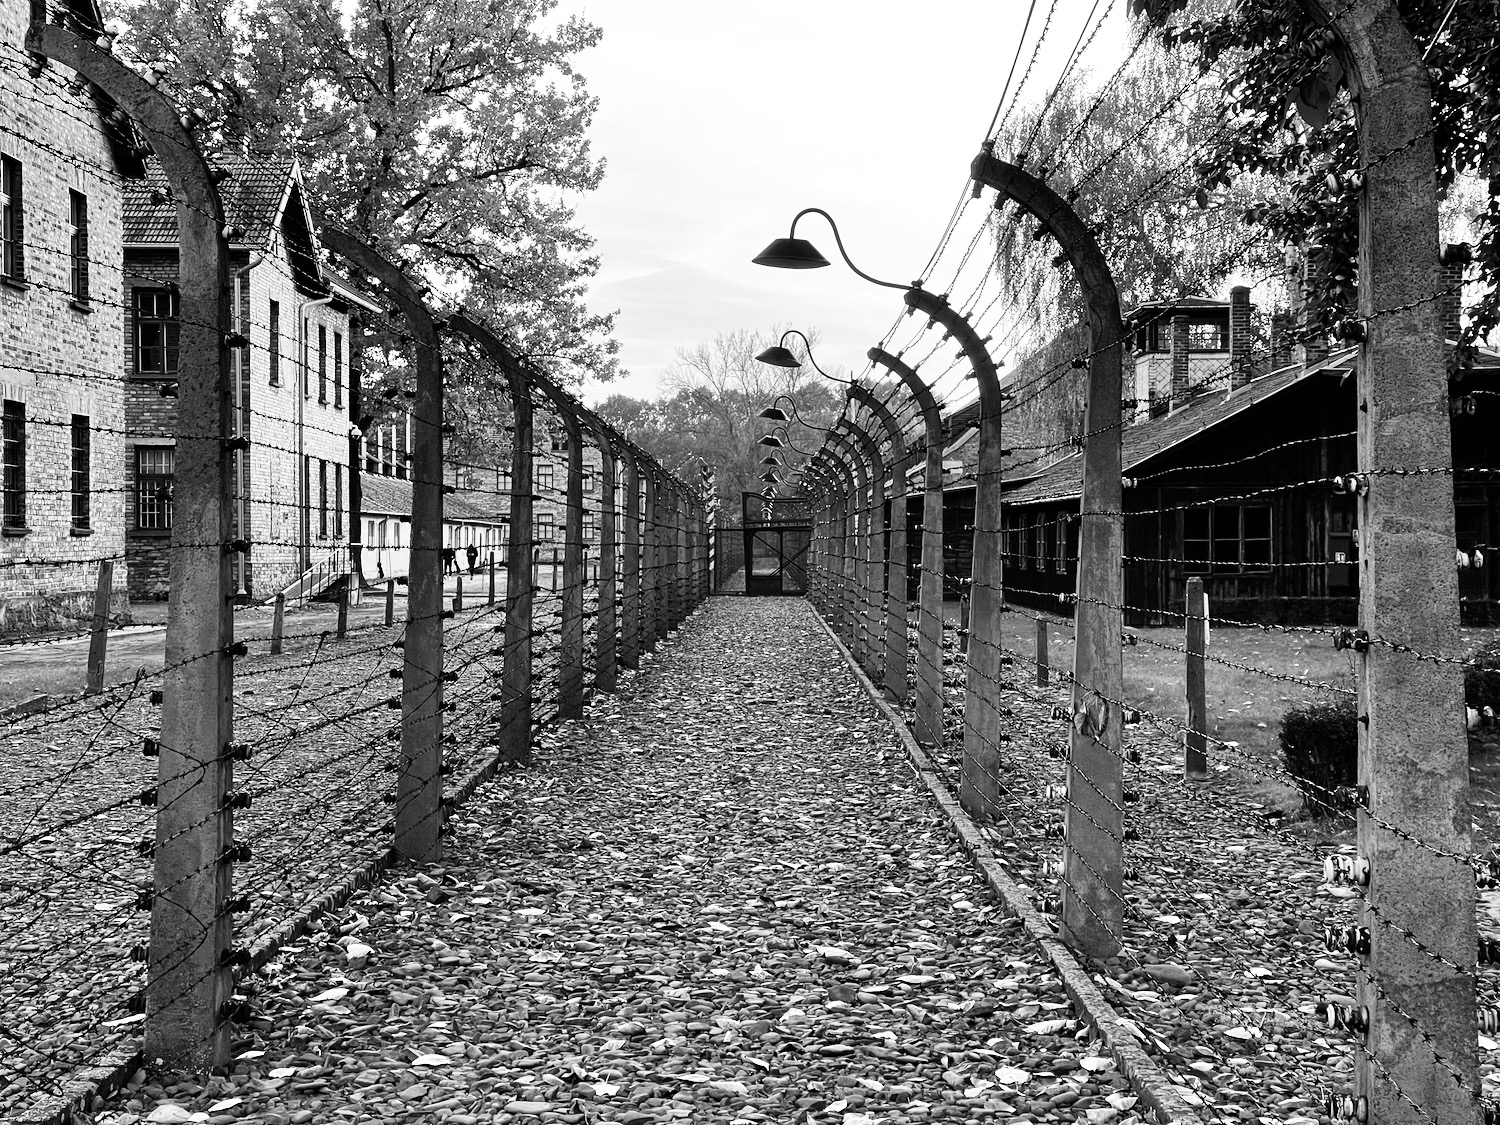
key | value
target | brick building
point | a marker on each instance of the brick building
(297, 383)
(65, 152)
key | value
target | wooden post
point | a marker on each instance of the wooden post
(1195, 738)
(492, 578)
(343, 612)
(390, 603)
(278, 624)
(1043, 665)
(99, 627)
(963, 624)
(458, 592)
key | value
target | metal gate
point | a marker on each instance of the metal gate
(778, 534)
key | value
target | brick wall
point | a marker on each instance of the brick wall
(59, 357)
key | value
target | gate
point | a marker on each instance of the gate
(778, 533)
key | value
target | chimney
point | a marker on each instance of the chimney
(1313, 346)
(1241, 363)
(1282, 329)
(1454, 258)
(1179, 361)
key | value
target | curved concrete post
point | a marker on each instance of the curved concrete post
(893, 678)
(929, 658)
(1413, 751)
(186, 981)
(870, 554)
(854, 511)
(570, 597)
(516, 706)
(1093, 883)
(838, 483)
(981, 788)
(606, 642)
(630, 559)
(419, 782)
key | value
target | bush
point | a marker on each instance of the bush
(1320, 749)
(1482, 678)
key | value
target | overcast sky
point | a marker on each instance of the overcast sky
(720, 121)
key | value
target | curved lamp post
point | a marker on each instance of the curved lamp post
(796, 253)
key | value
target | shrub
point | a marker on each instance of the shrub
(1482, 678)
(1320, 749)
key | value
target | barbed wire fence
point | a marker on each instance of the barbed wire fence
(1118, 811)
(167, 835)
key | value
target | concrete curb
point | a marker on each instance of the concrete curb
(1147, 1080)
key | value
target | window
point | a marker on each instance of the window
(1050, 552)
(1070, 551)
(78, 245)
(502, 480)
(154, 468)
(546, 530)
(156, 332)
(12, 221)
(587, 480)
(560, 443)
(274, 358)
(1033, 537)
(322, 363)
(13, 433)
(1208, 337)
(322, 499)
(1226, 537)
(588, 525)
(338, 500)
(544, 474)
(81, 457)
(1013, 535)
(338, 368)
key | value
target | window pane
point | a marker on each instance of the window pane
(1195, 523)
(1257, 523)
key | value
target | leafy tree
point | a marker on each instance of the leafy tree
(709, 413)
(1115, 149)
(1286, 115)
(446, 132)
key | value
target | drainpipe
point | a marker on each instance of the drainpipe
(242, 457)
(304, 530)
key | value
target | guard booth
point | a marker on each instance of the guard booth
(778, 533)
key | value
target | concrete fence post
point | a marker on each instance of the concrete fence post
(1195, 738)
(1093, 861)
(630, 579)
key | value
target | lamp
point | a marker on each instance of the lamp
(778, 355)
(793, 253)
(773, 414)
(770, 460)
(771, 441)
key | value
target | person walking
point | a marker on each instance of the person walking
(450, 561)
(473, 552)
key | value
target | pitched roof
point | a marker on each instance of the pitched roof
(1063, 480)
(254, 194)
(391, 496)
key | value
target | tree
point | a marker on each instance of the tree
(1116, 151)
(448, 133)
(1286, 115)
(709, 415)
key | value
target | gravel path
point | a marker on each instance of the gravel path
(719, 898)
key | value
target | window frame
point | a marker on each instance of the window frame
(323, 364)
(78, 246)
(544, 525)
(161, 504)
(170, 327)
(13, 467)
(81, 454)
(544, 476)
(338, 368)
(12, 220)
(273, 350)
(1208, 558)
(322, 498)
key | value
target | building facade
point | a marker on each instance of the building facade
(66, 151)
(297, 383)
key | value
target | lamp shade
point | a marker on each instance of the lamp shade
(773, 414)
(777, 356)
(790, 254)
(773, 441)
(770, 476)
